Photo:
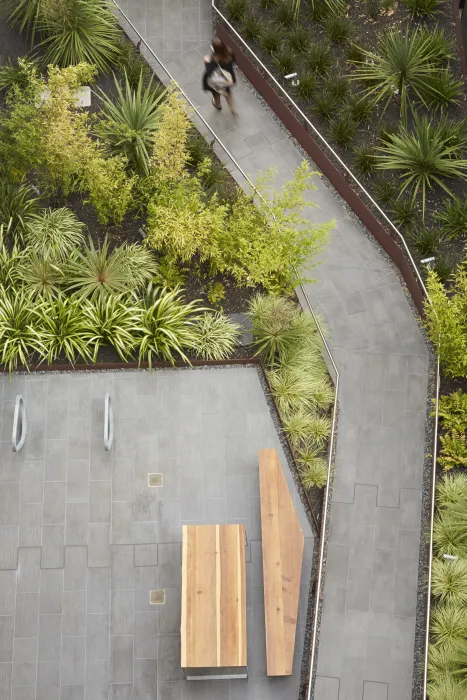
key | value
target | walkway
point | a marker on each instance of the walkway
(367, 632)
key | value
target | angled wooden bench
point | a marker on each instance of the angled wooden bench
(283, 544)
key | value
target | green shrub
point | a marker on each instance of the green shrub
(439, 668)
(373, 9)
(236, 9)
(23, 14)
(449, 536)
(444, 266)
(285, 12)
(129, 122)
(139, 263)
(448, 624)
(364, 161)
(403, 212)
(284, 59)
(453, 451)
(404, 62)
(15, 76)
(41, 276)
(319, 10)
(79, 31)
(354, 53)
(313, 469)
(422, 8)
(132, 65)
(386, 192)
(62, 330)
(452, 413)
(307, 86)
(318, 58)
(445, 687)
(426, 241)
(167, 325)
(54, 232)
(360, 109)
(110, 189)
(251, 25)
(18, 202)
(449, 581)
(267, 4)
(16, 335)
(451, 489)
(325, 105)
(115, 320)
(343, 130)
(11, 259)
(215, 336)
(277, 325)
(297, 426)
(443, 90)
(453, 217)
(271, 37)
(423, 157)
(299, 38)
(337, 28)
(198, 149)
(337, 85)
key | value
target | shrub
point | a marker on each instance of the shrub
(403, 212)
(198, 149)
(404, 63)
(452, 413)
(236, 9)
(277, 325)
(12, 76)
(79, 31)
(443, 266)
(16, 336)
(297, 426)
(343, 130)
(313, 469)
(319, 10)
(284, 59)
(54, 232)
(451, 489)
(426, 241)
(24, 14)
(360, 109)
(423, 157)
(354, 53)
(337, 28)
(299, 38)
(448, 624)
(18, 202)
(373, 9)
(364, 161)
(271, 37)
(445, 687)
(251, 25)
(129, 122)
(170, 153)
(453, 451)
(267, 4)
(442, 90)
(386, 192)
(453, 217)
(449, 581)
(62, 330)
(292, 388)
(337, 86)
(422, 8)
(11, 259)
(110, 190)
(285, 12)
(131, 64)
(41, 276)
(215, 336)
(167, 325)
(440, 666)
(325, 105)
(318, 57)
(306, 88)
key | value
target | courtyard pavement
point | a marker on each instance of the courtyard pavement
(83, 538)
(370, 588)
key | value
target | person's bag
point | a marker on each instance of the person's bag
(220, 79)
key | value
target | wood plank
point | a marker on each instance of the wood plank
(283, 544)
(213, 624)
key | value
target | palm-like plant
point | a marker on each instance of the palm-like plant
(17, 204)
(403, 65)
(79, 31)
(41, 276)
(115, 320)
(450, 536)
(130, 122)
(54, 233)
(167, 325)
(17, 339)
(424, 157)
(11, 259)
(98, 271)
(451, 490)
(24, 14)
(216, 336)
(61, 328)
(449, 581)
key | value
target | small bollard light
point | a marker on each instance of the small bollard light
(142, 232)
(35, 190)
(293, 78)
(429, 262)
(450, 557)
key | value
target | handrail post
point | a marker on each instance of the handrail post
(19, 420)
(108, 423)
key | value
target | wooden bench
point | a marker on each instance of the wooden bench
(283, 544)
(213, 624)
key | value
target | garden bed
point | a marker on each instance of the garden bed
(277, 46)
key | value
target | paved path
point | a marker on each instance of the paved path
(367, 633)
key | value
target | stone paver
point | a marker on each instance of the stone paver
(367, 634)
(82, 541)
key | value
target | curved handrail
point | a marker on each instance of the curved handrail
(108, 423)
(19, 420)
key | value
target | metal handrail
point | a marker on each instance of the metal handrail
(328, 146)
(20, 410)
(108, 423)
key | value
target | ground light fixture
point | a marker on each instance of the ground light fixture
(293, 78)
(429, 262)
(450, 557)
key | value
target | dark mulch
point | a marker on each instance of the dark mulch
(365, 34)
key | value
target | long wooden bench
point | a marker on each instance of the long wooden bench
(283, 544)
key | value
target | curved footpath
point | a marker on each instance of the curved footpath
(370, 589)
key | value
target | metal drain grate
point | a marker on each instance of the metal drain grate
(157, 596)
(155, 480)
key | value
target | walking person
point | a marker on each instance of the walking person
(219, 75)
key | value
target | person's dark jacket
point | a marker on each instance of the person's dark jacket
(211, 67)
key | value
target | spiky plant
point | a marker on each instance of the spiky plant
(140, 263)
(313, 468)
(444, 267)
(403, 211)
(337, 85)
(297, 426)
(62, 329)
(360, 108)
(271, 37)
(167, 325)
(307, 85)
(443, 90)
(426, 241)
(285, 12)
(449, 537)
(115, 320)
(446, 687)
(23, 14)
(422, 8)
(12, 75)
(364, 162)
(343, 130)
(16, 335)
(440, 663)
(448, 624)
(236, 9)
(215, 336)
(318, 58)
(291, 388)
(325, 105)
(129, 121)
(386, 192)
(451, 489)
(449, 581)
(54, 233)
(11, 259)
(321, 392)
(41, 276)
(251, 25)
(299, 38)
(17, 203)
(453, 217)
(284, 59)
(79, 31)
(337, 28)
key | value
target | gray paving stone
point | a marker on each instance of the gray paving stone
(97, 679)
(123, 516)
(122, 566)
(75, 571)
(51, 589)
(24, 661)
(8, 588)
(55, 460)
(53, 550)
(99, 552)
(362, 542)
(98, 590)
(170, 565)
(326, 688)
(168, 655)
(27, 614)
(121, 691)
(387, 524)
(73, 660)
(145, 679)
(50, 638)
(121, 659)
(97, 636)
(145, 634)
(29, 573)
(76, 530)
(100, 501)
(9, 547)
(74, 613)
(7, 623)
(358, 590)
(32, 481)
(170, 526)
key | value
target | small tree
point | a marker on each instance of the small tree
(170, 154)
